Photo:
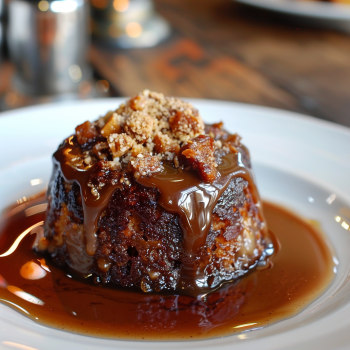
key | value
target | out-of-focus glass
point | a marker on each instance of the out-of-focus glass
(48, 44)
(127, 23)
(2, 5)
(1, 40)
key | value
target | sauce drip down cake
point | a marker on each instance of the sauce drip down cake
(149, 196)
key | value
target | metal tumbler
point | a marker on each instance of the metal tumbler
(48, 44)
(2, 6)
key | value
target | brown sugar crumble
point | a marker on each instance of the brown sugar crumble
(199, 154)
(151, 128)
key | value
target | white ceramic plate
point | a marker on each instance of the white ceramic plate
(312, 9)
(300, 162)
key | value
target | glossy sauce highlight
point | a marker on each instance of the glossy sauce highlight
(298, 273)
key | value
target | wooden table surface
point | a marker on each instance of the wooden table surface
(222, 50)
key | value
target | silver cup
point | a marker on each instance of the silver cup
(48, 43)
(2, 6)
(1, 40)
(127, 24)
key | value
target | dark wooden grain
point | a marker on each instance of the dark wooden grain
(6, 71)
(222, 50)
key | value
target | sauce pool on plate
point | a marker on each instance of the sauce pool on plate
(298, 272)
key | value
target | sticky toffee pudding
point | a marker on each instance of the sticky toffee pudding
(150, 197)
(152, 219)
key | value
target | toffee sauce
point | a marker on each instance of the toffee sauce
(181, 192)
(295, 275)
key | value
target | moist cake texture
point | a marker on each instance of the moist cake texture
(148, 196)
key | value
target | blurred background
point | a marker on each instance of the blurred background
(295, 58)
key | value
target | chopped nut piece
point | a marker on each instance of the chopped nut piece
(138, 149)
(218, 144)
(186, 124)
(216, 131)
(138, 103)
(100, 122)
(139, 125)
(107, 116)
(199, 154)
(146, 166)
(95, 192)
(163, 143)
(87, 160)
(120, 144)
(113, 125)
(155, 95)
(101, 150)
(234, 139)
(108, 165)
(232, 142)
(219, 125)
(103, 120)
(85, 132)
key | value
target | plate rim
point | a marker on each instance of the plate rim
(258, 109)
(14, 113)
(323, 11)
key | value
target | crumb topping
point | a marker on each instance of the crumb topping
(199, 154)
(185, 125)
(146, 165)
(112, 126)
(85, 132)
(139, 125)
(120, 144)
(149, 129)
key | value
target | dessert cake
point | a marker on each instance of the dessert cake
(148, 196)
